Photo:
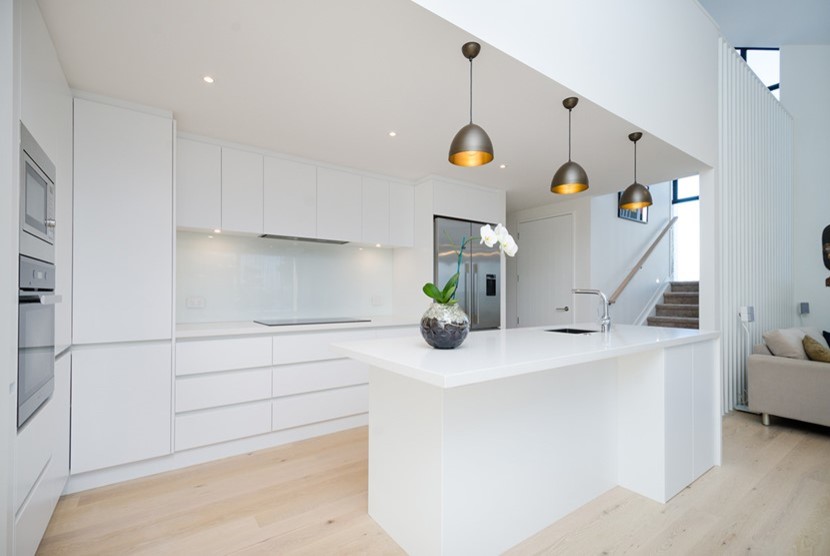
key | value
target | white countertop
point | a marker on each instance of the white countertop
(494, 354)
(243, 328)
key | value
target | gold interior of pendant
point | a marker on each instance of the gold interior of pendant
(568, 188)
(471, 158)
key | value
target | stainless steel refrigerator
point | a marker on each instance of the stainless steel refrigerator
(479, 291)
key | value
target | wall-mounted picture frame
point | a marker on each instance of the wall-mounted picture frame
(636, 215)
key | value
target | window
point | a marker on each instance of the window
(685, 189)
(765, 62)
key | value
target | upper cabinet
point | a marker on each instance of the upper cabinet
(290, 198)
(198, 184)
(241, 191)
(401, 214)
(375, 211)
(339, 205)
(123, 224)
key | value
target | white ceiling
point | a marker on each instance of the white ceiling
(327, 80)
(771, 23)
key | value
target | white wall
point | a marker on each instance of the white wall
(805, 82)
(8, 256)
(651, 62)
(243, 278)
(617, 244)
(585, 306)
(755, 193)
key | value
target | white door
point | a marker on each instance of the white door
(545, 275)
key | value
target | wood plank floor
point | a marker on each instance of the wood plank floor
(771, 496)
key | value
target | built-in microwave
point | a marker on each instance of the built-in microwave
(37, 200)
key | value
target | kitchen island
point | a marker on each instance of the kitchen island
(475, 449)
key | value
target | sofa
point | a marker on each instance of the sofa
(783, 381)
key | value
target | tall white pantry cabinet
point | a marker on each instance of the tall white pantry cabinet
(123, 287)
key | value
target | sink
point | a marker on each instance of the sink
(571, 330)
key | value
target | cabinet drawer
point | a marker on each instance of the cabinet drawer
(313, 346)
(218, 389)
(205, 356)
(305, 409)
(319, 375)
(219, 425)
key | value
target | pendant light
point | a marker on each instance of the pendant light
(570, 177)
(636, 195)
(471, 146)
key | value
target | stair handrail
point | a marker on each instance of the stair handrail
(639, 266)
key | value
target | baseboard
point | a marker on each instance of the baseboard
(652, 303)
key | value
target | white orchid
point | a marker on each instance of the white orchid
(489, 237)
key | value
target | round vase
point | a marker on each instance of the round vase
(444, 326)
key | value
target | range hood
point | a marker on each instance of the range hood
(308, 239)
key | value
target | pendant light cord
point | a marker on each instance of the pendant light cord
(471, 90)
(635, 161)
(569, 134)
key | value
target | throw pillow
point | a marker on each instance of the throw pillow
(786, 342)
(826, 335)
(816, 351)
(814, 333)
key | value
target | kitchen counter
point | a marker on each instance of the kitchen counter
(494, 354)
(244, 328)
(473, 450)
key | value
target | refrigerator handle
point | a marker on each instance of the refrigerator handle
(474, 294)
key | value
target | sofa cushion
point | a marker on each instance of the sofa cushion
(786, 342)
(815, 351)
(826, 335)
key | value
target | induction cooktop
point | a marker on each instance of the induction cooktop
(293, 322)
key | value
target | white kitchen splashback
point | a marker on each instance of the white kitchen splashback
(238, 278)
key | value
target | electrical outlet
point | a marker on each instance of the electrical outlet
(803, 308)
(195, 302)
(747, 313)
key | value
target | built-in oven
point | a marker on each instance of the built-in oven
(35, 335)
(36, 279)
(37, 199)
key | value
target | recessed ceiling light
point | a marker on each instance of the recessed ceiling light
(502, 166)
(377, 245)
(210, 237)
(207, 79)
(217, 231)
(392, 134)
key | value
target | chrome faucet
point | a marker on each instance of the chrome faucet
(605, 321)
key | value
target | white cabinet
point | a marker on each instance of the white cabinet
(313, 346)
(123, 224)
(295, 411)
(219, 425)
(198, 184)
(401, 215)
(375, 211)
(318, 375)
(206, 356)
(121, 404)
(290, 198)
(469, 202)
(339, 205)
(241, 191)
(219, 389)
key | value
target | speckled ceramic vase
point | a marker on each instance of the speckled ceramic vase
(444, 326)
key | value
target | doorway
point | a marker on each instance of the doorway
(545, 271)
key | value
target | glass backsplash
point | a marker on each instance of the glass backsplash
(221, 277)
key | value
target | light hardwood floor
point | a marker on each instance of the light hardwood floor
(771, 496)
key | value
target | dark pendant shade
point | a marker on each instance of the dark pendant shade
(569, 178)
(471, 146)
(635, 196)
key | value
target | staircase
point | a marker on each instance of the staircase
(680, 307)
